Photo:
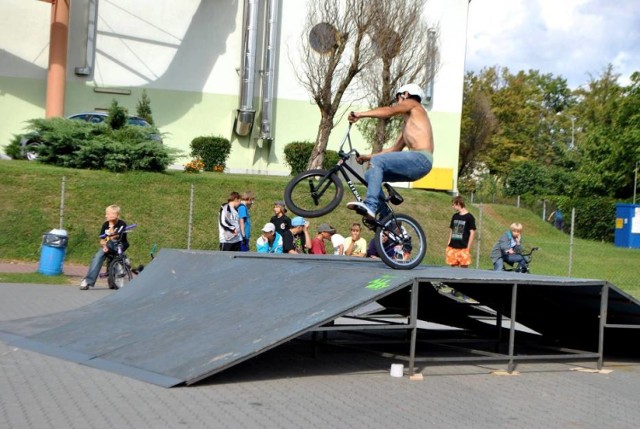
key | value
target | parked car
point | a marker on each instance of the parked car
(32, 139)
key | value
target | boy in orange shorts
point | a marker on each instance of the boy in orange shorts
(461, 233)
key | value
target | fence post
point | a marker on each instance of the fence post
(544, 210)
(573, 221)
(479, 236)
(64, 181)
(190, 219)
(518, 202)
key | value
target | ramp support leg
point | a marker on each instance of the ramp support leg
(512, 326)
(604, 305)
(413, 324)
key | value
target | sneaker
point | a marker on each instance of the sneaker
(362, 209)
(84, 285)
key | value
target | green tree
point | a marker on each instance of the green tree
(117, 116)
(610, 135)
(143, 108)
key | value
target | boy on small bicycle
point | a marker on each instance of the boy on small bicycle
(392, 164)
(112, 229)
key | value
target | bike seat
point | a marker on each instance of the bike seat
(394, 197)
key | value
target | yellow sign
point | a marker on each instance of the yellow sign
(619, 222)
(439, 179)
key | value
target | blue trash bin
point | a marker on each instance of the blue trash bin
(54, 247)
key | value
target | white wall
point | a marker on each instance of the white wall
(188, 54)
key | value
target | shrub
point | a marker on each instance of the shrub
(13, 149)
(117, 116)
(143, 108)
(595, 216)
(194, 166)
(212, 151)
(297, 155)
(78, 144)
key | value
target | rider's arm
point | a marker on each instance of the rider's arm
(383, 112)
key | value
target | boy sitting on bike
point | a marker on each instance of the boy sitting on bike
(112, 229)
(391, 164)
(509, 249)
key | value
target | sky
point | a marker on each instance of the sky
(574, 39)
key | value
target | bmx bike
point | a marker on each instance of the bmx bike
(399, 239)
(119, 271)
(528, 256)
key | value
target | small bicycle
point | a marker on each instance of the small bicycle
(119, 271)
(528, 256)
(399, 238)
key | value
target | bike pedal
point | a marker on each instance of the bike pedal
(367, 222)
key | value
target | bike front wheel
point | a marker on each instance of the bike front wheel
(400, 242)
(119, 274)
(313, 193)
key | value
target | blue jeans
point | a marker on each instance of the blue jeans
(511, 259)
(98, 260)
(405, 166)
(94, 267)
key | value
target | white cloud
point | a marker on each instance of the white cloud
(569, 38)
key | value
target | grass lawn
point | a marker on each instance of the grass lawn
(169, 215)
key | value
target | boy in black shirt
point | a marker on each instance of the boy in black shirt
(461, 233)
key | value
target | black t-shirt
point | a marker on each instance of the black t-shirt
(282, 223)
(461, 226)
(291, 241)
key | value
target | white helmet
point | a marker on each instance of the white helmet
(412, 89)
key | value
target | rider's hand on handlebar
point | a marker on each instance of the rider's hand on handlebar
(361, 159)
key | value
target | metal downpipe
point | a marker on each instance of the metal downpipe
(269, 66)
(246, 112)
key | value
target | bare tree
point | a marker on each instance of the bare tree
(406, 50)
(335, 48)
(478, 125)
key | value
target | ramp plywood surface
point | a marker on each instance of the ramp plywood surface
(191, 314)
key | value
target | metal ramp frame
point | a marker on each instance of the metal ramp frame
(192, 314)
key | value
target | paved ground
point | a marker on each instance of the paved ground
(75, 272)
(286, 387)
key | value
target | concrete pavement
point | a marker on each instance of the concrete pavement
(286, 387)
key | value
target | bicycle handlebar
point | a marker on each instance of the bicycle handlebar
(345, 139)
(126, 229)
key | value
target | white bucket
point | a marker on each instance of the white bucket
(397, 370)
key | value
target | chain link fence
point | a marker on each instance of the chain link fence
(560, 252)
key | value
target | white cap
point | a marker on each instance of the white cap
(269, 227)
(412, 89)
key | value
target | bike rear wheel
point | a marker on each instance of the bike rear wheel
(400, 242)
(313, 193)
(119, 274)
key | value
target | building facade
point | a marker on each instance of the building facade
(191, 58)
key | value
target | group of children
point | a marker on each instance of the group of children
(284, 235)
